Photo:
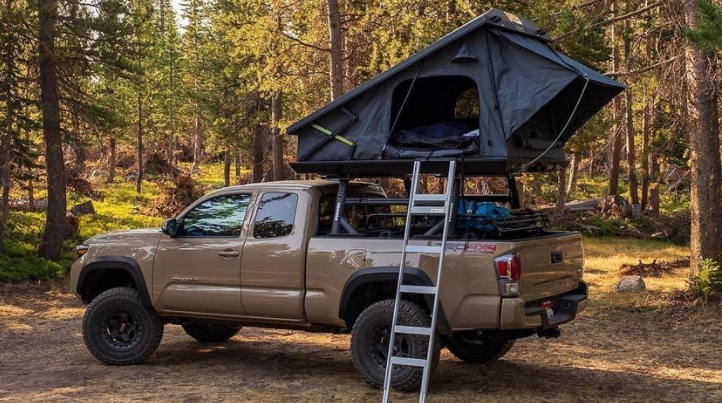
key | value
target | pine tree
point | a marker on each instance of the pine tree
(15, 151)
(704, 143)
(195, 38)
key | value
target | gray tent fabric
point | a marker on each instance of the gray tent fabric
(527, 95)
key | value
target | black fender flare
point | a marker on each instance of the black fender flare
(124, 263)
(412, 276)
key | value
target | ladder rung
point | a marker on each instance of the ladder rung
(430, 198)
(423, 249)
(418, 289)
(428, 210)
(421, 331)
(412, 362)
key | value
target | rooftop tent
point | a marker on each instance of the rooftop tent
(492, 93)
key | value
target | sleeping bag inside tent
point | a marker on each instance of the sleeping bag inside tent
(492, 94)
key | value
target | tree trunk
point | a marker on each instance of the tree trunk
(31, 190)
(5, 184)
(561, 192)
(5, 209)
(227, 169)
(704, 146)
(646, 135)
(277, 140)
(196, 126)
(616, 139)
(52, 243)
(573, 173)
(631, 155)
(237, 162)
(139, 158)
(6, 140)
(450, 10)
(257, 169)
(196, 143)
(111, 160)
(631, 152)
(336, 42)
(653, 206)
(171, 118)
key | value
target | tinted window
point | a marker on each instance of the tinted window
(275, 215)
(220, 216)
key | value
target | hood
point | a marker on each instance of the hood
(145, 235)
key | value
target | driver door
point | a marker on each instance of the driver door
(199, 270)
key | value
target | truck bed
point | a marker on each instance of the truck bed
(551, 264)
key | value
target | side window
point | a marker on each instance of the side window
(275, 215)
(218, 217)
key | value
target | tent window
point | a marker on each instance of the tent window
(434, 114)
(467, 105)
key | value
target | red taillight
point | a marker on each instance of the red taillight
(509, 266)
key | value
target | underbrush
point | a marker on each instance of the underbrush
(707, 284)
(117, 207)
(672, 227)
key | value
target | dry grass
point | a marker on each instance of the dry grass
(642, 348)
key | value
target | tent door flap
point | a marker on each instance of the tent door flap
(334, 134)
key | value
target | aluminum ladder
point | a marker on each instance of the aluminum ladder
(415, 209)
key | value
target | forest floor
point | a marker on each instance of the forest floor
(625, 348)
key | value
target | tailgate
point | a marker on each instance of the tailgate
(550, 265)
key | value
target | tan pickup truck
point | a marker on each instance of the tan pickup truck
(262, 255)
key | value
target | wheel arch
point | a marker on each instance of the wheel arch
(109, 272)
(368, 286)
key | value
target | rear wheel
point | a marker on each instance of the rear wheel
(475, 348)
(207, 333)
(119, 330)
(370, 344)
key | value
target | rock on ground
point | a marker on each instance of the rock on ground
(85, 207)
(631, 284)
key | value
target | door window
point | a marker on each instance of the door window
(275, 215)
(218, 217)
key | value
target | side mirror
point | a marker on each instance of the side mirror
(170, 227)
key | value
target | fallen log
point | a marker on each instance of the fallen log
(653, 269)
(581, 205)
(25, 205)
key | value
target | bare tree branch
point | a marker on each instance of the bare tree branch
(642, 70)
(306, 44)
(615, 19)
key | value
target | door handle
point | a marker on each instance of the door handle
(228, 253)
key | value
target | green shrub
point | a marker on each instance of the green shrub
(707, 284)
(20, 263)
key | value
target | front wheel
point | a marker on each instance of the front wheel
(210, 333)
(119, 330)
(477, 348)
(370, 344)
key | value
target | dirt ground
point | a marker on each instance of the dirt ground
(633, 354)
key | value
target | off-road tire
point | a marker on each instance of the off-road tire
(210, 333)
(369, 353)
(141, 326)
(478, 349)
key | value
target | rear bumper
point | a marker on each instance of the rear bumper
(518, 314)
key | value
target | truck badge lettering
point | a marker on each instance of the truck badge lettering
(481, 248)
